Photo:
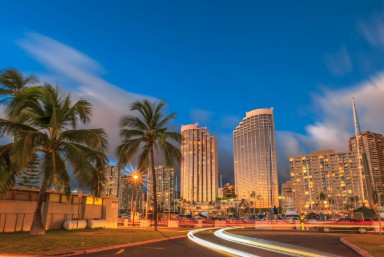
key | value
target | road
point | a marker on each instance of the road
(327, 244)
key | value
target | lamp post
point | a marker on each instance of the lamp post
(379, 205)
(135, 177)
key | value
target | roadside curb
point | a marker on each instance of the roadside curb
(355, 248)
(94, 250)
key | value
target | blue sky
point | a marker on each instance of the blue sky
(211, 61)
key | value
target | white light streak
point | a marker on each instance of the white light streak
(213, 246)
(269, 246)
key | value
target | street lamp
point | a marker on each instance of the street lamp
(135, 177)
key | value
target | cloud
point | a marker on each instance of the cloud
(82, 77)
(339, 63)
(200, 116)
(373, 30)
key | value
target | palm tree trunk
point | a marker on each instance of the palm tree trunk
(37, 227)
(154, 187)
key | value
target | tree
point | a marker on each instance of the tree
(43, 122)
(30, 178)
(145, 133)
(12, 83)
(322, 198)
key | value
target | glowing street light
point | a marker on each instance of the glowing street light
(135, 177)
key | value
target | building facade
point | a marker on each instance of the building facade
(255, 160)
(286, 198)
(112, 179)
(164, 188)
(326, 181)
(128, 193)
(199, 165)
(373, 146)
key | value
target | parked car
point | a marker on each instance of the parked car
(346, 224)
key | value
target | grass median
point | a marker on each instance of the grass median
(63, 241)
(371, 243)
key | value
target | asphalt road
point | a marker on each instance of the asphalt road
(183, 247)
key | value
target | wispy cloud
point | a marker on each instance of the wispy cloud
(339, 63)
(82, 77)
(200, 116)
(373, 30)
(334, 123)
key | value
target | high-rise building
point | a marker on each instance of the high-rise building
(325, 180)
(372, 144)
(199, 165)
(164, 188)
(111, 184)
(286, 199)
(127, 196)
(255, 159)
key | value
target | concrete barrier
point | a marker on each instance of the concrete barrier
(96, 224)
(173, 223)
(220, 223)
(74, 224)
(145, 223)
(199, 224)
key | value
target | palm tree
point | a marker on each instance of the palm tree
(12, 83)
(145, 133)
(43, 122)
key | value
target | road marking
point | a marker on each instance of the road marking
(122, 250)
(269, 245)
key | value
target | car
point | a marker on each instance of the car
(346, 224)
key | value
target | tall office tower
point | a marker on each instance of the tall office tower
(373, 144)
(164, 188)
(255, 159)
(325, 180)
(111, 184)
(199, 165)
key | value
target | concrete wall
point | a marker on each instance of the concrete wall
(18, 205)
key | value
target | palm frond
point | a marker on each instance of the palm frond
(143, 160)
(95, 138)
(127, 150)
(164, 122)
(131, 133)
(133, 123)
(172, 153)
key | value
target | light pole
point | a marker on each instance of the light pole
(135, 177)
(379, 194)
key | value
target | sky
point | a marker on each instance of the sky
(211, 61)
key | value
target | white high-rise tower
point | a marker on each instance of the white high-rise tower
(255, 159)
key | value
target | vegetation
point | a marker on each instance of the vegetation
(371, 243)
(30, 178)
(145, 133)
(43, 123)
(60, 242)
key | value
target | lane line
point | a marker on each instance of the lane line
(122, 250)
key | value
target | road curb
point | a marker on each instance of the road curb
(94, 250)
(355, 248)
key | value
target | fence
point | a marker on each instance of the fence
(18, 205)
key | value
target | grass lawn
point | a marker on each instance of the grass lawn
(64, 241)
(373, 244)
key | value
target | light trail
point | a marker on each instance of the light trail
(213, 246)
(269, 245)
